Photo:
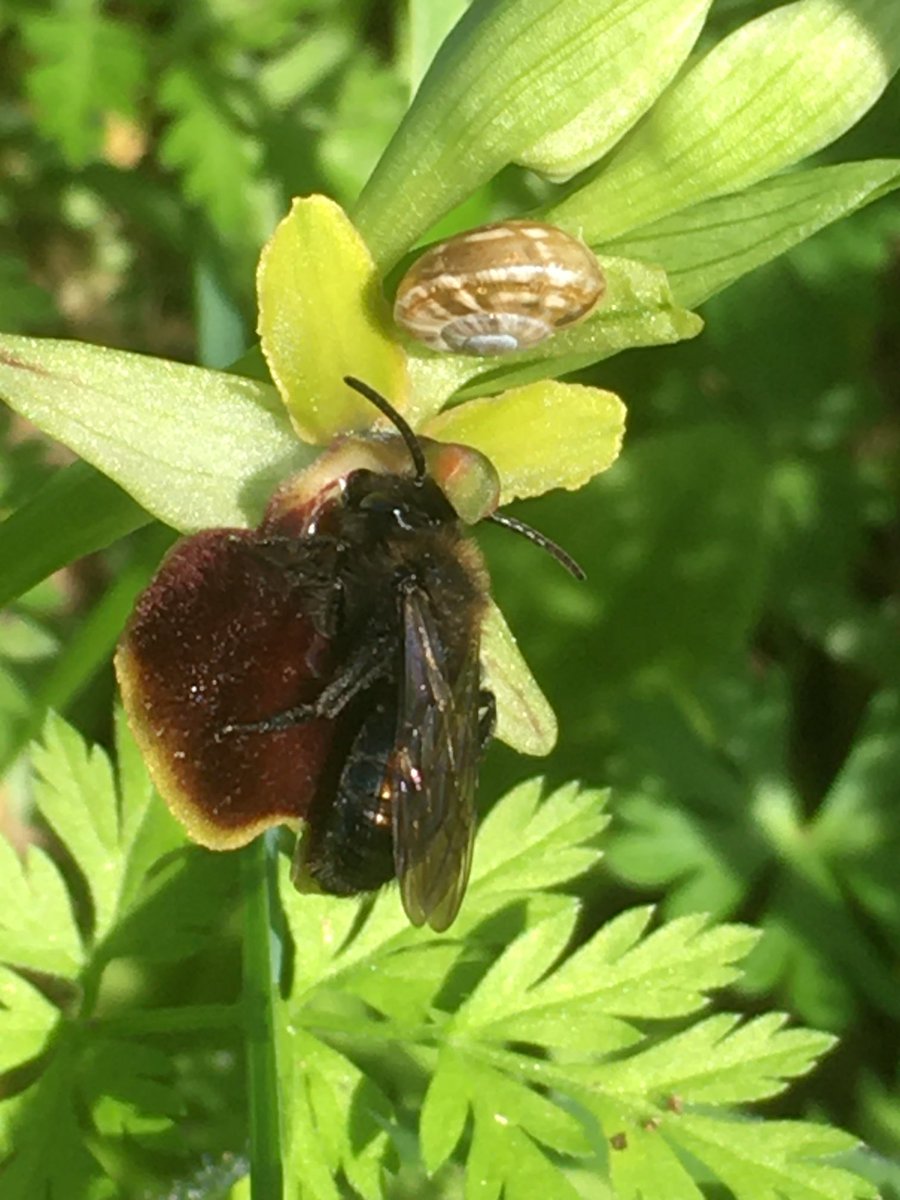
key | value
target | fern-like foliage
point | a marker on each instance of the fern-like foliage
(527, 1053)
(828, 880)
(86, 66)
(211, 146)
(535, 1055)
(80, 1086)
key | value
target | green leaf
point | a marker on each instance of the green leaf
(284, 79)
(428, 23)
(522, 846)
(37, 925)
(516, 971)
(444, 1109)
(641, 1163)
(778, 89)
(26, 1020)
(67, 774)
(35, 541)
(713, 830)
(76, 794)
(321, 317)
(51, 1156)
(196, 448)
(366, 110)
(206, 142)
(646, 45)
(855, 828)
(86, 67)
(88, 1095)
(526, 844)
(616, 974)
(507, 1115)
(322, 1140)
(504, 1160)
(707, 247)
(719, 1061)
(137, 1075)
(520, 81)
(773, 1160)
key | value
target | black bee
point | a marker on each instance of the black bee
(325, 667)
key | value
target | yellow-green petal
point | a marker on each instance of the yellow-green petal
(525, 719)
(542, 436)
(321, 317)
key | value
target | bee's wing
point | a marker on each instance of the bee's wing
(433, 769)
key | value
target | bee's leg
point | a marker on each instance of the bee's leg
(487, 718)
(371, 661)
(283, 720)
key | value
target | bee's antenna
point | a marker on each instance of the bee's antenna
(401, 425)
(541, 540)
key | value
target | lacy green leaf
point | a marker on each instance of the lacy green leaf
(719, 1061)
(618, 973)
(51, 1156)
(528, 843)
(207, 143)
(26, 1020)
(321, 1087)
(774, 1160)
(34, 900)
(93, 1087)
(824, 885)
(86, 66)
(98, 834)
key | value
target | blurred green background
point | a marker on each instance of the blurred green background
(732, 666)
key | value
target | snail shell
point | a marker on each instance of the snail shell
(499, 288)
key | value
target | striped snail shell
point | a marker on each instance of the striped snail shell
(499, 288)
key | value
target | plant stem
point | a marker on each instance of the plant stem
(260, 994)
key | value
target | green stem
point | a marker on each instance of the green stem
(260, 992)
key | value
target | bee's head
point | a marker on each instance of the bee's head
(411, 482)
(465, 478)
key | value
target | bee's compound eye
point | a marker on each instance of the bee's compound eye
(498, 289)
